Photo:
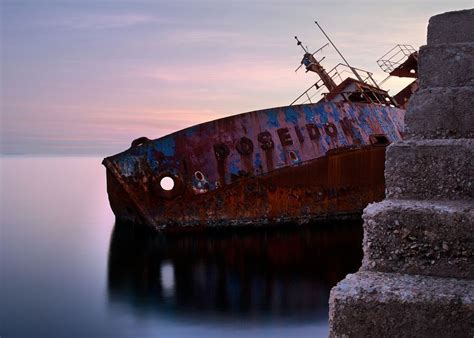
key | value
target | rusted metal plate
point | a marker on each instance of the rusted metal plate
(403, 96)
(283, 164)
(409, 68)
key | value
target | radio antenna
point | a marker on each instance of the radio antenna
(299, 43)
(340, 54)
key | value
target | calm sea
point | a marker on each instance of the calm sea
(67, 270)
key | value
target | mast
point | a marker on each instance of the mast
(313, 65)
(340, 54)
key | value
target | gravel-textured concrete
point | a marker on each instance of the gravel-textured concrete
(430, 169)
(451, 27)
(425, 228)
(450, 65)
(375, 304)
(420, 237)
(441, 113)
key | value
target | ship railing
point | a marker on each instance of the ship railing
(365, 95)
(395, 57)
(308, 94)
(338, 74)
(364, 74)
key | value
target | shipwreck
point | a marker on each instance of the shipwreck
(297, 163)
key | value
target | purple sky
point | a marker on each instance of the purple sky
(87, 77)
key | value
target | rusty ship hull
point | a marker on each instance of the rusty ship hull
(287, 164)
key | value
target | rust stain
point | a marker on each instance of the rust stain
(292, 163)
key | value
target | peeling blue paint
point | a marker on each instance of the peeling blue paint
(309, 114)
(273, 118)
(365, 120)
(357, 134)
(328, 139)
(281, 155)
(341, 137)
(234, 166)
(127, 166)
(337, 115)
(323, 115)
(167, 146)
(151, 158)
(291, 115)
(258, 160)
(189, 132)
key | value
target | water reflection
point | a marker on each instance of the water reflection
(265, 272)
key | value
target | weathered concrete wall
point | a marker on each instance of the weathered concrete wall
(374, 304)
(417, 275)
(419, 237)
(430, 169)
(451, 27)
(427, 116)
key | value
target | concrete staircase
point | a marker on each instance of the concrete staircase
(417, 275)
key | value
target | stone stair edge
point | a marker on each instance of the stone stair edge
(439, 142)
(450, 286)
(461, 205)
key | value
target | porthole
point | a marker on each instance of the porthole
(167, 183)
(293, 156)
(199, 175)
(330, 129)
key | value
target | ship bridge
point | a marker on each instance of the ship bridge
(345, 83)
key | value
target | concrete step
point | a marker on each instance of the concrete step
(420, 237)
(430, 169)
(441, 112)
(372, 304)
(446, 65)
(451, 27)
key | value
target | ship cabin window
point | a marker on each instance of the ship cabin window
(379, 140)
(356, 97)
(368, 96)
(374, 97)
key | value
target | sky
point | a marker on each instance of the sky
(88, 77)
